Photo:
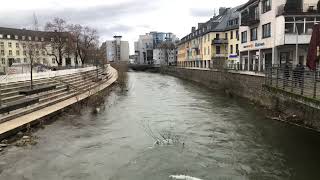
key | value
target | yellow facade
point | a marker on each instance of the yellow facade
(233, 47)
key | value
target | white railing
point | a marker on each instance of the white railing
(40, 75)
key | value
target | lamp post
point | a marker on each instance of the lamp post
(297, 42)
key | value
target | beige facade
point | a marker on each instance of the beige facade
(15, 46)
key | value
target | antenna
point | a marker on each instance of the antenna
(35, 21)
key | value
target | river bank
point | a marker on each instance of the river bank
(281, 107)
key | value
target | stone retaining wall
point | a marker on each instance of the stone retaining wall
(251, 87)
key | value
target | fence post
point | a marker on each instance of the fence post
(302, 82)
(277, 82)
(315, 85)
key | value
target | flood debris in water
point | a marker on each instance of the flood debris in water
(27, 140)
(183, 177)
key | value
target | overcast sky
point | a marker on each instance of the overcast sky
(128, 18)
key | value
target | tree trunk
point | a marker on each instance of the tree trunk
(31, 76)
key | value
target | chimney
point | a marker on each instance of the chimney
(222, 10)
(193, 29)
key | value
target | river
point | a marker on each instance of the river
(207, 136)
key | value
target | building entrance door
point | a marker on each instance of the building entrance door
(10, 60)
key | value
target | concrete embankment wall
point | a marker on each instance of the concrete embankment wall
(306, 113)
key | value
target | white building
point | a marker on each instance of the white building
(117, 50)
(14, 47)
(164, 56)
(270, 31)
(144, 47)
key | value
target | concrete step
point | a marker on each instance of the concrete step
(51, 98)
(12, 98)
(21, 87)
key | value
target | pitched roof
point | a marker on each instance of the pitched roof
(247, 4)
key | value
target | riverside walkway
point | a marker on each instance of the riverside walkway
(29, 115)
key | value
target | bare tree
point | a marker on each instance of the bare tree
(88, 40)
(57, 39)
(32, 53)
(75, 31)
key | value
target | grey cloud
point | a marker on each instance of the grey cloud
(201, 12)
(97, 16)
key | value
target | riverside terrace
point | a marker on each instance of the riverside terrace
(50, 88)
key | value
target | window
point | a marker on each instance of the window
(24, 45)
(43, 53)
(8, 37)
(253, 34)
(218, 50)
(231, 34)
(36, 38)
(244, 37)
(53, 60)
(25, 60)
(18, 60)
(237, 34)
(237, 49)
(16, 37)
(10, 52)
(2, 52)
(217, 36)
(231, 49)
(209, 37)
(29, 38)
(266, 6)
(23, 38)
(1, 36)
(266, 30)
(3, 61)
(18, 53)
(2, 44)
(17, 45)
(24, 53)
(226, 35)
(10, 45)
(42, 39)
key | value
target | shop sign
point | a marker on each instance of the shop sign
(254, 45)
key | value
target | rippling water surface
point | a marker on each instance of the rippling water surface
(214, 137)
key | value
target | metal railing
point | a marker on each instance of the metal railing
(246, 67)
(297, 80)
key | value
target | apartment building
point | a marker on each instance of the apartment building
(275, 32)
(117, 50)
(147, 43)
(165, 54)
(14, 47)
(213, 42)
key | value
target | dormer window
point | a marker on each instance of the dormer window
(1, 36)
(29, 38)
(23, 38)
(16, 37)
(8, 37)
(42, 39)
(36, 39)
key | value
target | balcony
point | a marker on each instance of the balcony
(218, 41)
(195, 46)
(250, 20)
(297, 9)
(220, 56)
